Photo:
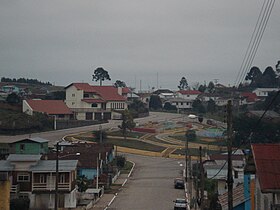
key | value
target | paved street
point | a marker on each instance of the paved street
(59, 134)
(151, 185)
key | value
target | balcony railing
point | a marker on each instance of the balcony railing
(14, 189)
(50, 186)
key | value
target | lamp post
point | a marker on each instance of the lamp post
(57, 175)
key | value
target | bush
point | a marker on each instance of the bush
(120, 161)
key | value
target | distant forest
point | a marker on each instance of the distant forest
(24, 80)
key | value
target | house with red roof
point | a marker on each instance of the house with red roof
(188, 94)
(248, 98)
(55, 108)
(95, 102)
(264, 163)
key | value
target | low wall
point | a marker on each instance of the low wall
(64, 124)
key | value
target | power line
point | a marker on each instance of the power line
(251, 133)
(255, 40)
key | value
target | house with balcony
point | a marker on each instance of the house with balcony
(35, 179)
(95, 102)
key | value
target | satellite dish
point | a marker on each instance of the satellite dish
(192, 116)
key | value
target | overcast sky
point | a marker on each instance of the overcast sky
(64, 41)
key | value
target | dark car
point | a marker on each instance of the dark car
(179, 183)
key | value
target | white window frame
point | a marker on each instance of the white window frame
(24, 178)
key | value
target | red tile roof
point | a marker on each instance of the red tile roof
(251, 97)
(189, 92)
(267, 162)
(49, 106)
(238, 197)
(107, 93)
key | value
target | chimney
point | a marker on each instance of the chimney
(120, 90)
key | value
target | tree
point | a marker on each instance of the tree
(169, 106)
(138, 107)
(127, 123)
(120, 83)
(211, 87)
(100, 75)
(255, 76)
(269, 78)
(183, 84)
(198, 106)
(211, 106)
(155, 102)
(13, 98)
(202, 88)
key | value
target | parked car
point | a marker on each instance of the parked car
(181, 203)
(179, 183)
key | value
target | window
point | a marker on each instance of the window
(23, 178)
(86, 95)
(181, 103)
(62, 178)
(94, 105)
(42, 178)
(73, 94)
(236, 174)
(22, 147)
(73, 103)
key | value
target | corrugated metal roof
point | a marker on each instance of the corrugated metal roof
(50, 165)
(23, 157)
(5, 166)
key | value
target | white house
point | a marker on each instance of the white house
(263, 92)
(188, 94)
(94, 102)
(180, 103)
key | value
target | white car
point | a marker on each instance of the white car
(181, 203)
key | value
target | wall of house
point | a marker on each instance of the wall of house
(89, 173)
(26, 108)
(73, 97)
(262, 200)
(5, 195)
(70, 200)
(31, 148)
(182, 105)
(189, 97)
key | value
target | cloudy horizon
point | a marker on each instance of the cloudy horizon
(153, 43)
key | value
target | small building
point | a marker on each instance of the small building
(263, 92)
(10, 89)
(56, 108)
(188, 94)
(30, 146)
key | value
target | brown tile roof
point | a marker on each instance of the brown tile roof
(238, 197)
(267, 162)
(49, 106)
(88, 153)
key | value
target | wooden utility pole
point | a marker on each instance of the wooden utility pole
(229, 145)
(186, 157)
(201, 180)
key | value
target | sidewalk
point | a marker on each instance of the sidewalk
(105, 201)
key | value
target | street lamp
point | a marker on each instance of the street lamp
(56, 174)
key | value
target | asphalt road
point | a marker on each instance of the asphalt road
(54, 136)
(150, 186)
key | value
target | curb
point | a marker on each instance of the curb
(112, 200)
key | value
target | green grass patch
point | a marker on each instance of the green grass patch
(217, 142)
(129, 134)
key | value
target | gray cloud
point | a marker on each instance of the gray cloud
(64, 41)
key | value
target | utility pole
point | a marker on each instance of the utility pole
(186, 157)
(229, 145)
(201, 180)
